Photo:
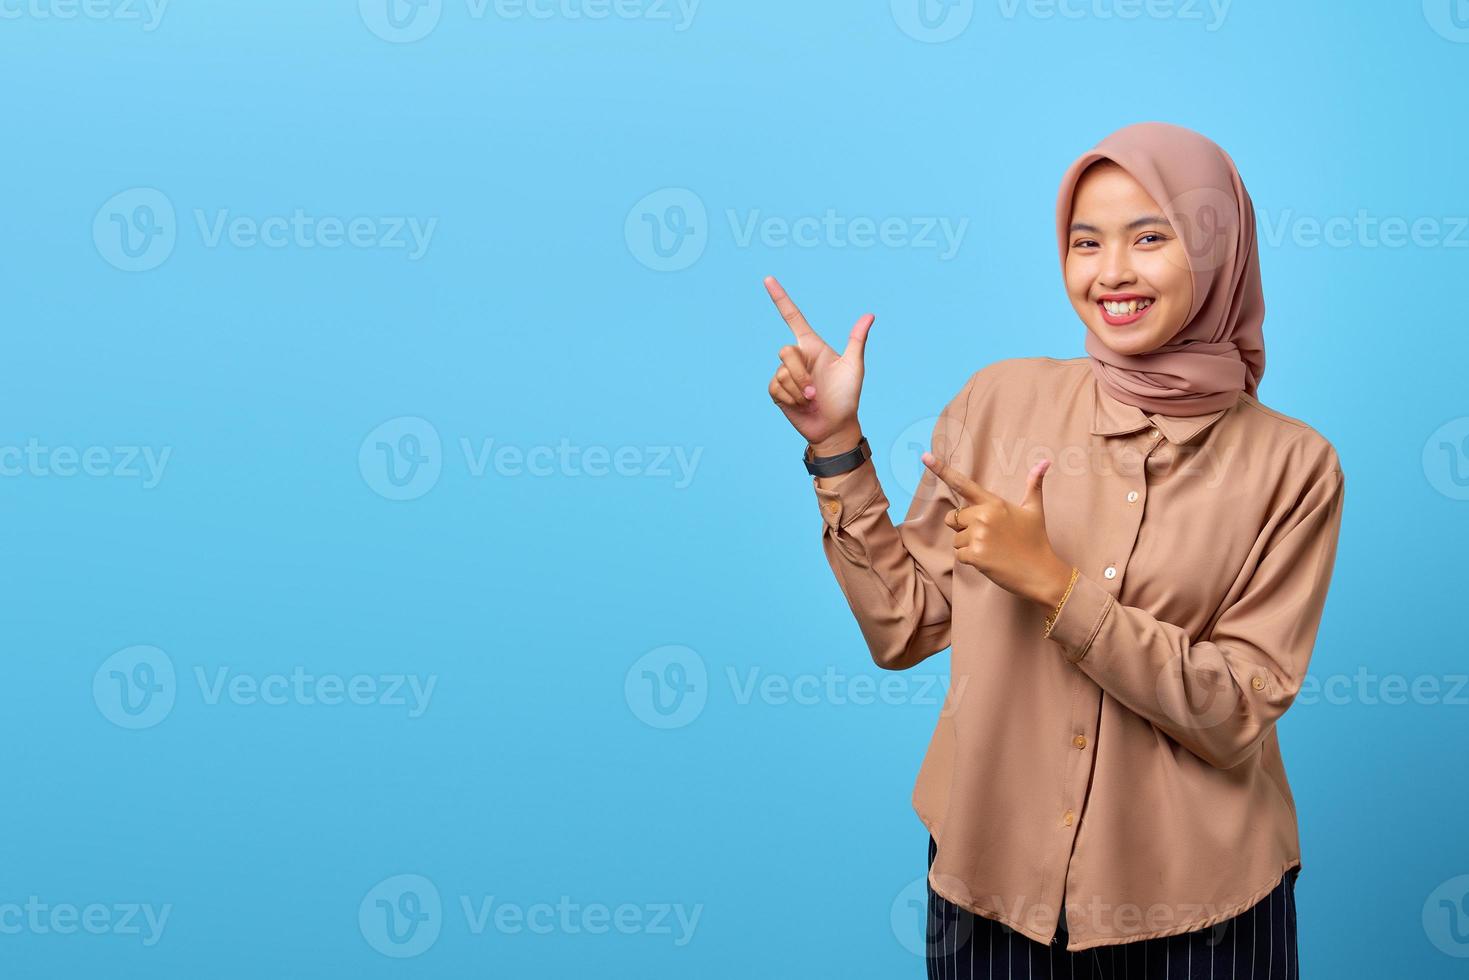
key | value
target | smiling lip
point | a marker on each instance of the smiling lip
(1125, 318)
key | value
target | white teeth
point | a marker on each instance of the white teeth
(1128, 308)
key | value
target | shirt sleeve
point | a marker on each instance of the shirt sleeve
(1217, 697)
(897, 578)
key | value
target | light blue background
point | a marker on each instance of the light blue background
(269, 545)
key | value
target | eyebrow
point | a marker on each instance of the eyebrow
(1147, 219)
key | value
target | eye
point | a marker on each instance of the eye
(1084, 243)
(1152, 238)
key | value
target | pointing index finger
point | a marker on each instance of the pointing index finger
(968, 491)
(788, 309)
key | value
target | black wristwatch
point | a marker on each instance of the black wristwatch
(838, 464)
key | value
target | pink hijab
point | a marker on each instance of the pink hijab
(1220, 350)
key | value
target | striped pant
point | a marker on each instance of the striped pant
(1257, 944)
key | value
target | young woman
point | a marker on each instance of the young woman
(1129, 555)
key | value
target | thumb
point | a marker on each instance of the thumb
(857, 342)
(1034, 494)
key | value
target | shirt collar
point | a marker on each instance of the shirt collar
(1111, 417)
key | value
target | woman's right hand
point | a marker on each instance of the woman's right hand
(815, 387)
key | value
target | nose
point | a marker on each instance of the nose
(1116, 269)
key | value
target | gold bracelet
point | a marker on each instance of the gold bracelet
(1051, 619)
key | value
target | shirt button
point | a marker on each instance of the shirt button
(1132, 496)
(1069, 818)
(1110, 571)
(1153, 432)
(1079, 741)
(833, 506)
(1258, 683)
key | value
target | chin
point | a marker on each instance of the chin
(1124, 340)
(1128, 344)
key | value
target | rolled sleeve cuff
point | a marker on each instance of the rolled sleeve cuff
(848, 495)
(1081, 618)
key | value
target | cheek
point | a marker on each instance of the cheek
(1170, 275)
(1078, 283)
(1179, 296)
(1175, 312)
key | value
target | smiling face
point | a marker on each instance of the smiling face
(1127, 270)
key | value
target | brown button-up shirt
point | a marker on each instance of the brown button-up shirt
(1124, 768)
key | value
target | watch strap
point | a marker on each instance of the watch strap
(838, 464)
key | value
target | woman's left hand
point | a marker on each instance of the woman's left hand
(1005, 541)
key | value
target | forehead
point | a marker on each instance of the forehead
(1106, 189)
